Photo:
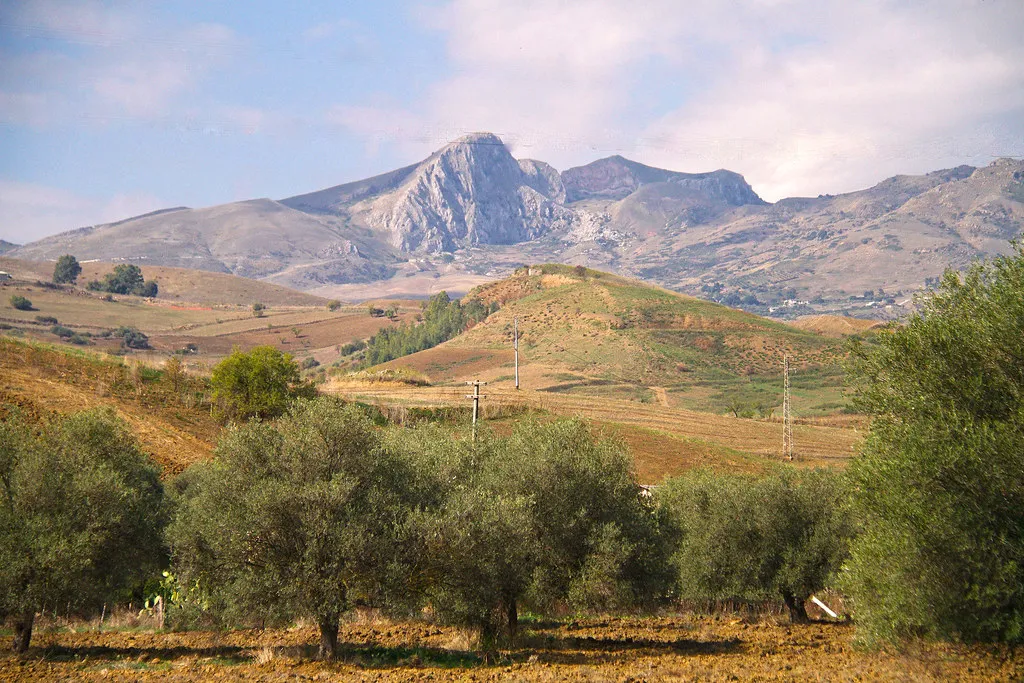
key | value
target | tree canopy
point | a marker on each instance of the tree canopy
(81, 515)
(257, 383)
(66, 270)
(442, 320)
(299, 518)
(940, 484)
(126, 278)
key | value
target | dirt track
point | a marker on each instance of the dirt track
(611, 649)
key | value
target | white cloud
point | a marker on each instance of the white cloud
(125, 65)
(30, 211)
(801, 96)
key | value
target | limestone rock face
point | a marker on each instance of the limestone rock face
(471, 192)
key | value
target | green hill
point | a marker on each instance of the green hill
(588, 332)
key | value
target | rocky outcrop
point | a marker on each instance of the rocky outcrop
(471, 192)
(616, 178)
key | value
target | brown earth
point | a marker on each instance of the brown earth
(674, 647)
(836, 325)
(172, 425)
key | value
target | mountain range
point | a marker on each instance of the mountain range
(472, 212)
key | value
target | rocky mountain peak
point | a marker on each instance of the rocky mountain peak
(616, 178)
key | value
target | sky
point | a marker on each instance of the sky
(112, 109)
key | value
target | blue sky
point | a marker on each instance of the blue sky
(110, 109)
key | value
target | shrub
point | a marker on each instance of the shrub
(62, 332)
(82, 516)
(67, 269)
(259, 383)
(939, 483)
(258, 309)
(46, 319)
(21, 303)
(754, 538)
(333, 305)
(309, 363)
(78, 339)
(132, 338)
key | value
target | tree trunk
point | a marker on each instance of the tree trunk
(23, 630)
(512, 613)
(797, 611)
(329, 636)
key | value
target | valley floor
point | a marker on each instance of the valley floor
(671, 647)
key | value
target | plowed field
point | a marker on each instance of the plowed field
(612, 649)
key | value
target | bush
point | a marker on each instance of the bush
(21, 303)
(46, 319)
(333, 305)
(309, 363)
(62, 332)
(66, 270)
(258, 309)
(754, 538)
(132, 338)
(82, 517)
(939, 483)
(259, 383)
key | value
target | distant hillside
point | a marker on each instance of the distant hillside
(584, 331)
(182, 284)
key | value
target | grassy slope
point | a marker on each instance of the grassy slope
(603, 335)
(172, 424)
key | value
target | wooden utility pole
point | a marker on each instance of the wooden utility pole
(515, 345)
(787, 417)
(476, 396)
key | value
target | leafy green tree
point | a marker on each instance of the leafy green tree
(258, 309)
(21, 303)
(67, 269)
(940, 484)
(125, 279)
(301, 518)
(333, 305)
(548, 515)
(81, 515)
(258, 383)
(754, 538)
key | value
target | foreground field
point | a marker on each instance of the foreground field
(676, 647)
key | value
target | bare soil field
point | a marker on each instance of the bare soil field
(836, 325)
(673, 647)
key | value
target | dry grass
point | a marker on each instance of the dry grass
(670, 440)
(42, 380)
(836, 325)
(180, 284)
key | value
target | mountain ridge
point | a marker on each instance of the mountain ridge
(471, 208)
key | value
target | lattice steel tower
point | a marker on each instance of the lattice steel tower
(787, 417)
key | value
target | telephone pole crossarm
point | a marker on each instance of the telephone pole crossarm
(475, 397)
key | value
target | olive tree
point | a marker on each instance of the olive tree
(81, 515)
(940, 483)
(547, 515)
(299, 518)
(749, 537)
